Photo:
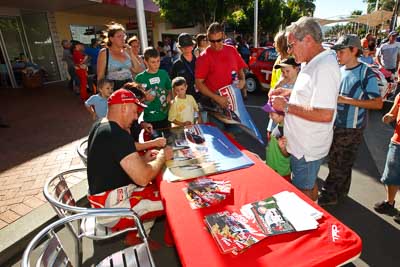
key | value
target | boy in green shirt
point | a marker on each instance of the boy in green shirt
(277, 156)
(157, 85)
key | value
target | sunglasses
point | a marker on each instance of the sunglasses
(215, 41)
(290, 45)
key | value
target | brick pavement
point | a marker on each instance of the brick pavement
(46, 125)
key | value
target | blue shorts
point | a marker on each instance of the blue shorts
(391, 174)
(304, 173)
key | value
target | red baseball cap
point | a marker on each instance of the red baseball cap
(122, 96)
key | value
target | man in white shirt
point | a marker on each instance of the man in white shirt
(311, 109)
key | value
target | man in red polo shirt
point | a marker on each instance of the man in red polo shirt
(215, 65)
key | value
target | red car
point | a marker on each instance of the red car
(261, 62)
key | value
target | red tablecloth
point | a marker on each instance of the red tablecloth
(196, 247)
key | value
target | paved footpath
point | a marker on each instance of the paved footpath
(46, 125)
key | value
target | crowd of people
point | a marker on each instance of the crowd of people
(121, 166)
(325, 110)
(318, 105)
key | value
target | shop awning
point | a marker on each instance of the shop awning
(373, 19)
(149, 5)
(323, 22)
(121, 8)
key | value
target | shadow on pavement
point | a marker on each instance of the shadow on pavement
(41, 120)
(165, 256)
(364, 155)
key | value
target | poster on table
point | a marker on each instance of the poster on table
(200, 150)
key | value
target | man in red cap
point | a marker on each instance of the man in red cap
(117, 175)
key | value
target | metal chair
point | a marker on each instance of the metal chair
(59, 195)
(53, 253)
(82, 150)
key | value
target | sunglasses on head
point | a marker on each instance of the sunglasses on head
(215, 41)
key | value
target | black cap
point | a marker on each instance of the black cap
(290, 61)
(184, 39)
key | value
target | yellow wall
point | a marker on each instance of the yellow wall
(64, 20)
(163, 27)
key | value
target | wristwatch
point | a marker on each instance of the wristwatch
(286, 108)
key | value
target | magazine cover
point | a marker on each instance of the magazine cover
(205, 192)
(285, 212)
(231, 232)
(218, 226)
(200, 150)
(261, 219)
(269, 217)
(210, 185)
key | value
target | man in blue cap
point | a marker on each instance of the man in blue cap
(388, 54)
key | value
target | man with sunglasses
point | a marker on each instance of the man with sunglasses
(117, 175)
(311, 109)
(215, 65)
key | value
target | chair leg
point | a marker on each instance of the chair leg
(79, 252)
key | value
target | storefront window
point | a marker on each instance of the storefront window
(83, 34)
(13, 51)
(41, 44)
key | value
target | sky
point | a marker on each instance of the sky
(326, 9)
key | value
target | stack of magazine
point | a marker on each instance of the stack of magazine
(282, 213)
(205, 192)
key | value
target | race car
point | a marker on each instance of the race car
(261, 63)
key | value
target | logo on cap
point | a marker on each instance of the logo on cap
(122, 96)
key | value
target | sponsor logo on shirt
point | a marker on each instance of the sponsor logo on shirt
(120, 195)
(155, 80)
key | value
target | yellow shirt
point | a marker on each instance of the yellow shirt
(182, 110)
(276, 74)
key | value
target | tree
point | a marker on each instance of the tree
(289, 14)
(383, 5)
(241, 20)
(355, 13)
(270, 14)
(203, 12)
(354, 26)
(302, 7)
(237, 13)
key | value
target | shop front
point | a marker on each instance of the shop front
(31, 33)
(26, 48)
